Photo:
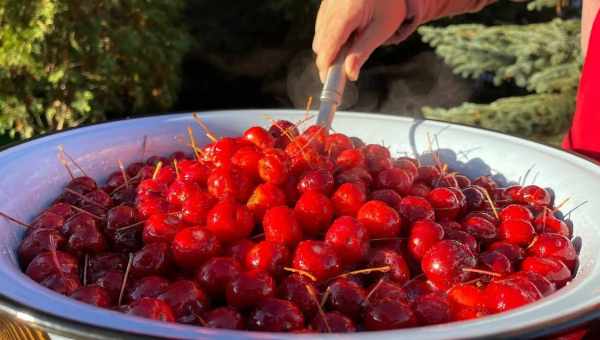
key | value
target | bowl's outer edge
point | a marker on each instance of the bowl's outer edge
(77, 329)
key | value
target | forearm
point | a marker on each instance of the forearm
(422, 11)
(428, 10)
(591, 8)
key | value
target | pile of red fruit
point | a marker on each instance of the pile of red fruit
(287, 232)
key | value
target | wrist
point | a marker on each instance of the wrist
(414, 10)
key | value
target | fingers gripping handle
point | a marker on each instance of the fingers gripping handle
(333, 90)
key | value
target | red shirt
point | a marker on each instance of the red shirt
(584, 135)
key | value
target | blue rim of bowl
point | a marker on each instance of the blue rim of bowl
(68, 327)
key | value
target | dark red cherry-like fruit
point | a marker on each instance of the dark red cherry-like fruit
(268, 256)
(445, 202)
(348, 199)
(302, 292)
(398, 271)
(554, 246)
(349, 239)
(316, 258)
(413, 208)
(264, 197)
(432, 309)
(535, 196)
(249, 289)
(380, 219)
(216, 274)
(194, 245)
(388, 314)
(333, 322)
(552, 269)
(149, 286)
(224, 317)
(507, 294)
(517, 231)
(445, 262)
(424, 234)
(275, 315)
(93, 295)
(150, 308)
(347, 297)
(314, 211)
(186, 299)
(281, 225)
(152, 259)
(230, 221)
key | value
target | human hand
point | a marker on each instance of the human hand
(370, 23)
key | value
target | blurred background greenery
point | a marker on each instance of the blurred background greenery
(512, 67)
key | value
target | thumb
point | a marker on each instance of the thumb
(363, 45)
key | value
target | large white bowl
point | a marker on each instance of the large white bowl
(31, 177)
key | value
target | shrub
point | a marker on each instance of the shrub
(66, 62)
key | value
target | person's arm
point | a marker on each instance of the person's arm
(371, 23)
(591, 8)
(422, 11)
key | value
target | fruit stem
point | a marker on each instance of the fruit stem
(325, 297)
(176, 168)
(127, 227)
(84, 198)
(62, 150)
(203, 322)
(12, 219)
(301, 272)
(534, 240)
(124, 282)
(123, 173)
(562, 204)
(434, 155)
(87, 212)
(285, 132)
(313, 296)
(132, 179)
(85, 266)
(193, 142)
(156, 170)
(377, 285)
(257, 236)
(144, 143)
(209, 133)
(63, 161)
(412, 280)
(387, 239)
(53, 250)
(383, 269)
(309, 101)
(480, 271)
(491, 202)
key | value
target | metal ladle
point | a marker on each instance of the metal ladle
(333, 91)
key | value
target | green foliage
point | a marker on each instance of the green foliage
(543, 58)
(537, 5)
(66, 62)
(536, 114)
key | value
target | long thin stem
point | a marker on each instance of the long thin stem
(12, 219)
(62, 150)
(85, 198)
(313, 296)
(123, 173)
(85, 267)
(301, 272)
(124, 282)
(100, 218)
(157, 169)
(207, 131)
